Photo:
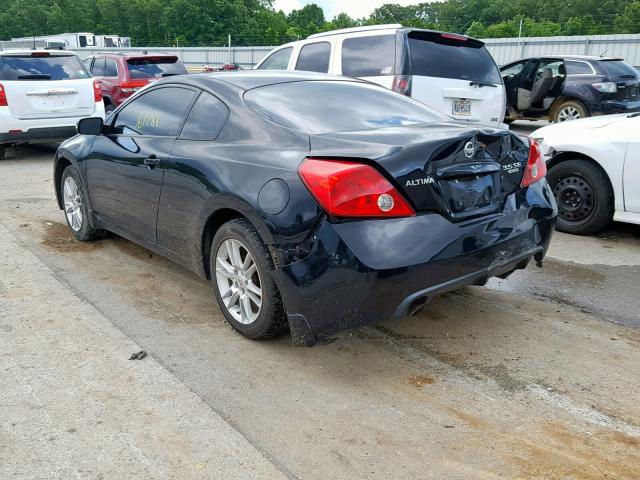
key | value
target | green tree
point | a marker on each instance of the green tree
(342, 20)
(477, 30)
(307, 20)
(629, 20)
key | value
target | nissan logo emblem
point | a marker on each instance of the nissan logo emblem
(469, 150)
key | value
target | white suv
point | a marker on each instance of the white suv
(452, 73)
(43, 94)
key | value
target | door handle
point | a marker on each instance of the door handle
(152, 162)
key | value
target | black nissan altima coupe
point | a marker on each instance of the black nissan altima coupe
(309, 201)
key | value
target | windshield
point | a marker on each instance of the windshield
(155, 67)
(335, 106)
(54, 67)
(619, 68)
(433, 55)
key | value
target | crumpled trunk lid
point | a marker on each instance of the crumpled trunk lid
(458, 171)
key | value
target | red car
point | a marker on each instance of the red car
(120, 75)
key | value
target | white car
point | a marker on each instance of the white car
(452, 73)
(594, 170)
(43, 95)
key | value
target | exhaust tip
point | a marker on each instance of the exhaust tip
(417, 305)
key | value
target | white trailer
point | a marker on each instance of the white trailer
(67, 40)
(112, 41)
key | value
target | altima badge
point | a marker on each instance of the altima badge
(469, 150)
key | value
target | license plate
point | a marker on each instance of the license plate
(469, 193)
(461, 106)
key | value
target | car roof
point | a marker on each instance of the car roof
(367, 28)
(248, 79)
(591, 58)
(142, 54)
(51, 53)
(391, 26)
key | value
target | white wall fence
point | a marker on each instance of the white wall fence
(195, 57)
(504, 50)
(626, 46)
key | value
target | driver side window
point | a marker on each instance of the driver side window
(513, 70)
(160, 112)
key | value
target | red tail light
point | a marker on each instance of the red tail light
(3, 97)
(402, 84)
(133, 85)
(453, 36)
(536, 166)
(97, 91)
(348, 189)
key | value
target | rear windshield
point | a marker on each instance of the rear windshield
(435, 56)
(335, 106)
(155, 67)
(618, 68)
(54, 67)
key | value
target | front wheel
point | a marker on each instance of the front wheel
(567, 111)
(248, 297)
(584, 196)
(76, 208)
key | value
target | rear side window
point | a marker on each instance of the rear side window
(206, 119)
(619, 68)
(98, 68)
(111, 69)
(433, 55)
(155, 67)
(54, 67)
(277, 60)
(319, 106)
(158, 112)
(369, 56)
(578, 68)
(314, 57)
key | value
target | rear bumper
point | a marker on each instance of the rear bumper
(55, 129)
(619, 106)
(48, 134)
(360, 273)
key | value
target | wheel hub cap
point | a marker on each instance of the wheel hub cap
(72, 203)
(575, 197)
(568, 113)
(238, 281)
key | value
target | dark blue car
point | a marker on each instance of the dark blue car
(561, 88)
(310, 202)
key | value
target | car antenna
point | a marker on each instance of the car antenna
(605, 51)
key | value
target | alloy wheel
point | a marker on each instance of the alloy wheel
(576, 198)
(72, 203)
(568, 113)
(238, 281)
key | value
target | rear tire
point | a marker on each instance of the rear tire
(235, 250)
(584, 196)
(2, 152)
(108, 108)
(569, 110)
(76, 207)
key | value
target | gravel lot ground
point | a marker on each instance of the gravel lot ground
(532, 377)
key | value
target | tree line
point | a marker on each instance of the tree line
(256, 22)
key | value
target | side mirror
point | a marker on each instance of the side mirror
(90, 126)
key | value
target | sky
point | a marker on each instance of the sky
(354, 8)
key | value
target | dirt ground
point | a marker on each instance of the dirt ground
(533, 377)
